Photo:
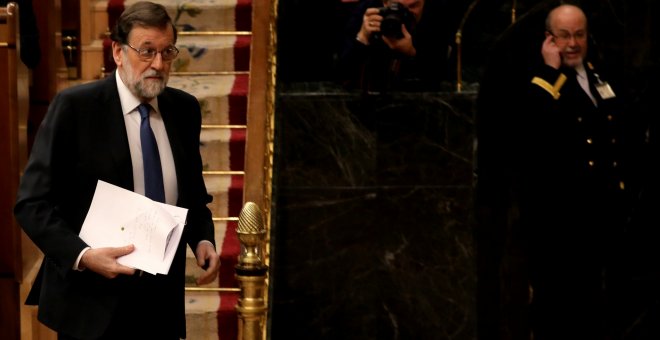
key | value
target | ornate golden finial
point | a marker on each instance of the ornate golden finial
(251, 273)
(251, 233)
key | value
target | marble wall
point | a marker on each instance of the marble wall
(372, 237)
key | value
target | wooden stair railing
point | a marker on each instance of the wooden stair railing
(18, 255)
(10, 269)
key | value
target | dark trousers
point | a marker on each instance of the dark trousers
(137, 316)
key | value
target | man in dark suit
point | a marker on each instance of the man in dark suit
(90, 133)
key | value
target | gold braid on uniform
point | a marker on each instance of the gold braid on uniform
(552, 89)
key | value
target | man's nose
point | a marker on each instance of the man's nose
(572, 40)
(157, 63)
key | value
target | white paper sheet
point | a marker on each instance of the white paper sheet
(118, 217)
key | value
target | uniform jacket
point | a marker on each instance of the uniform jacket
(572, 180)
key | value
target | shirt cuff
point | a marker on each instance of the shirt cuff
(76, 265)
(206, 241)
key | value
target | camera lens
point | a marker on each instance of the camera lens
(393, 16)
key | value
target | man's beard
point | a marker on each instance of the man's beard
(573, 62)
(142, 87)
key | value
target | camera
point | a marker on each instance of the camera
(394, 15)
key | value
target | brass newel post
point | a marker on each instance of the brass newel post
(513, 12)
(251, 274)
(459, 57)
(459, 47)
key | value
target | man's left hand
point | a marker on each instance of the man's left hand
(403, 45)
(207, 257)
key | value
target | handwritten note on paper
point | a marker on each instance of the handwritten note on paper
(149, 231)
(119, 217)
(179, 214)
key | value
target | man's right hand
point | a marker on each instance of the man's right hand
(551, 52)
(103, 261)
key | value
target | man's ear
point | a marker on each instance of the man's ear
(116, 53)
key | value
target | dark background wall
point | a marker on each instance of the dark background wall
(372, 207)
(310, 32)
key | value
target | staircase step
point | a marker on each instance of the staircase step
(227, 317)
(227, 192)
(238, 100)
(237, 149)
(210, 313)
(223, 149)
(212, 53)
(223, 97)
(208, 15)
(227, 244)
(202, 315)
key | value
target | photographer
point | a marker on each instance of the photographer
(395, 45)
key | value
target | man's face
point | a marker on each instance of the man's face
(146, 78)
(416, 7)
(569, 27)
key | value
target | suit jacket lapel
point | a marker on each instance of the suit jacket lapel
(111, 112)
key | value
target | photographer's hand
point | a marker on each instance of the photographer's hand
(404, 45)
(370, 24)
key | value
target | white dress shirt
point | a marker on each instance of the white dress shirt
(129, 104)
(584, 82)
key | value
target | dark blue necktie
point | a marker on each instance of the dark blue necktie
(153, 173)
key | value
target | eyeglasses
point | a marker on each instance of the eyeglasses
(148, 54)
(564, 36)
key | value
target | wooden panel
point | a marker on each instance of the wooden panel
(7, 239)
(85, 24)
(9, 309)
(10, 270)
(14, 107)
(10, 261)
